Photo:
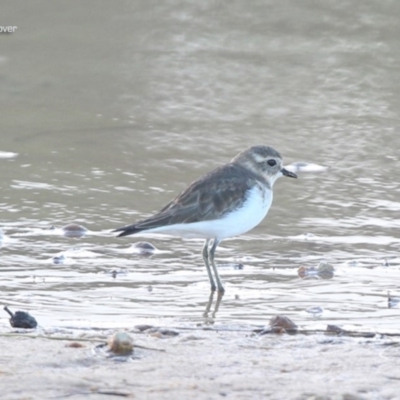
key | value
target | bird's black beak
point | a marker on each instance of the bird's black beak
(290, 174)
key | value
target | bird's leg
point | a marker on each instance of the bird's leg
(206, 261)
(211, 258)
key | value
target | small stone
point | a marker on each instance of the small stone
(325, 270)
(58, 260)
(75, 345)
(334, 329)
(393, 301)
(121, 343)
(281, 322)
(144, 327)
(74, 230)
(157, 335)
(144, 248)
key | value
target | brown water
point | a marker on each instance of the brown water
(112, 108)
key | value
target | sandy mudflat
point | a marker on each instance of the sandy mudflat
(204, 365)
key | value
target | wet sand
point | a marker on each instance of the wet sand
(201, 364)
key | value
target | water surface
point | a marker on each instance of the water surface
(108, 111)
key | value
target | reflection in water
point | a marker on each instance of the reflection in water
(207, 319)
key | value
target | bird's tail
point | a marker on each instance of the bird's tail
(128, 230)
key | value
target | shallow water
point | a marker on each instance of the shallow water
(107, 113)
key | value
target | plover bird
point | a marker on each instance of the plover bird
(226, 202)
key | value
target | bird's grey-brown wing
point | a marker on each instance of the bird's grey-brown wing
(208, 198)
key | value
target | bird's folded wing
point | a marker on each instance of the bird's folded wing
(211, 197)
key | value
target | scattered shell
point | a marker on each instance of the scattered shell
(353, 263)
(59, 259)
(74, 230)
(307, 272)
(316, 312)
(157, 335)
(393, 301)
(324, 271)
(121, 343)
(21, 319)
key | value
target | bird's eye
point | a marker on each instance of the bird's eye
(271, 163)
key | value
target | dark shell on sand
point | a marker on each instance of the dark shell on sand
(21, 319)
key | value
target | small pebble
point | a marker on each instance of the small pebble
(282, 324)
(144, 248)
(75, 345)
(393, 301)
(59, 259)
(144, 327)
(74, 230)
(325, 270)
(334, 329)
(121, 343)
(157, 335)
